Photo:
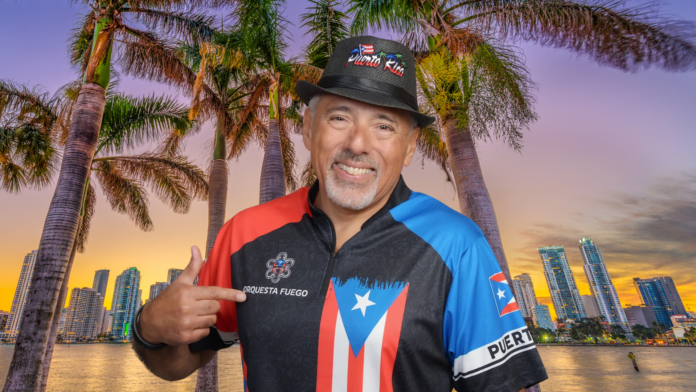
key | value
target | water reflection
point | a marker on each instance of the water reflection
(108, 367)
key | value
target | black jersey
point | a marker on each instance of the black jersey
(415, 301)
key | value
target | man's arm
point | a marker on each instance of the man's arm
(181, 314)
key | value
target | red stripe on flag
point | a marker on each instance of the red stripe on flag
(390, 342)
(327, 332)
(511, 307)
(244, 369)
(499, 277)
(355, 370)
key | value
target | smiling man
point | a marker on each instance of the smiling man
(354, 284)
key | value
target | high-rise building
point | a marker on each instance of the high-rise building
(125, 303)
(590, 304)
(542, 317)
(156, 289)
(3, 320)
(601, 286)
(104, 323)
(559, 277)
(101, 280)
(662, 293)
(172, 274)
(83, 314)
(20, 297)
(525, 295)
(61, 325)
(643, 315)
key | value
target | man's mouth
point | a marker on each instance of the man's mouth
(355, 171)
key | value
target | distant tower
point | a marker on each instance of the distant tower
(590, 304)
(20, 297)
(172, 274)
(125, 303)
(524, 293)
(559, 277)
(662, 295)
(601, 286)
(101, 279)
(542, 317)
(156, 289)
(82, 320)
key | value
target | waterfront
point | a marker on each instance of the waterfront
(109, 367)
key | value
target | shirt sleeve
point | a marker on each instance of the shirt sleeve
(217, 271)
(486, 338)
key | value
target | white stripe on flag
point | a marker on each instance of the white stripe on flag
(373, 356)
(340, 357)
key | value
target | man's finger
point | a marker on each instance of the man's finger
(219, 293)
(205, 321)
(193, 268)
(208, 306)
(199, 334)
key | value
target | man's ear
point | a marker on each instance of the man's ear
(307, 129)
(412, 142)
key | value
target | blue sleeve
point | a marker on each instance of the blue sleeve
(485, 336)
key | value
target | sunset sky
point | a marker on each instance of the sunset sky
(612, 157)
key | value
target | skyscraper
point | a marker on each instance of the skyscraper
(172, 274)
(156, 289)
(559, 277)
(20, 296)
(524, 293)
(662, 294)
(542, 317)
(125, 303)
(4, 316)
(83, 314)
(101, 280)
(601, 286)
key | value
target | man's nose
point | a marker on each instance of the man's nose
(359, 139)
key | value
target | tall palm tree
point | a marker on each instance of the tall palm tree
(460, 31)
(328, 25)
(106, 28)
(262, 27)
(127, 123)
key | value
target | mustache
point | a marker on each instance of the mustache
(347, 155)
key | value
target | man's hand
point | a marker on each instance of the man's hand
(183, 313)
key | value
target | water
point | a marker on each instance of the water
(108, 367)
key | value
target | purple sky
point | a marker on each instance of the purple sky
(612, 157)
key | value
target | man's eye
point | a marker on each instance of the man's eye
(339, 118)
(385, 127)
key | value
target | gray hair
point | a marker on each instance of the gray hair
(314, 102)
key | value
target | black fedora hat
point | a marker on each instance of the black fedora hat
(371, 70)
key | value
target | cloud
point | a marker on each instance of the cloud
(645, 235)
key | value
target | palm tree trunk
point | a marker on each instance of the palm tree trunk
(57, 241)
(474, 200)
(272, 170)
(207, 380)
(56, 322)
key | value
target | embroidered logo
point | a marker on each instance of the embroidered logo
(279, 267)
(364, 55)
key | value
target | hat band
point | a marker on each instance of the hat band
(370, 86)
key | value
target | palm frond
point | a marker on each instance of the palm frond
(88, 208)
(129, 121)
(246, 125)
(126, 196)
(398, 15)
(262, 27)
(308, 176)
(607, 31)
(328, 25)
(192, 25)
(80, 42)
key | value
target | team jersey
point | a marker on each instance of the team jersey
(415, 301)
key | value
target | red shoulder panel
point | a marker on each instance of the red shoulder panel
(242, 229)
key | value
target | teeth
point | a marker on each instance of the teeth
(353, 170)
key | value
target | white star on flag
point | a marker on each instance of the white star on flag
(363, 302)
(501, 294)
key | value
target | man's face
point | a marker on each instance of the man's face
(358, 149)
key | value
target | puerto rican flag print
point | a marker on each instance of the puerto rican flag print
(502, 293)
(367, 49)
(359, 336)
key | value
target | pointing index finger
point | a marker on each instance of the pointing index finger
(219, 293)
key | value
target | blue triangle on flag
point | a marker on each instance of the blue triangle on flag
(353, 297)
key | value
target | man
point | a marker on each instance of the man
(356, 283)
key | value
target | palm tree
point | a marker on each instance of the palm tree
(106, 28)
(458, 35)
(328, 25)
(127, 122)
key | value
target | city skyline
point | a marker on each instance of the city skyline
(633, 182)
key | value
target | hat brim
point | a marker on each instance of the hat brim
(306, 90)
